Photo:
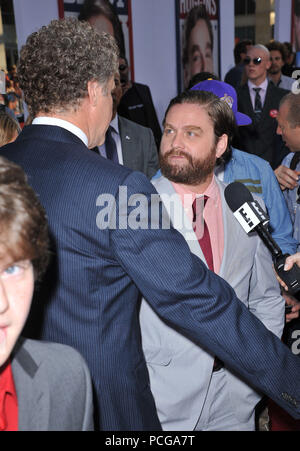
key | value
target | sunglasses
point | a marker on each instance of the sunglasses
(255, 61)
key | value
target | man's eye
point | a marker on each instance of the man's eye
(168, 131)
(191, 134)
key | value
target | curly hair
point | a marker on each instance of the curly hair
(23, 223)
(276, 45)
(59, 60)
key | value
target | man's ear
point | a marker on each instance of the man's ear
(93, 87)
(221, 145)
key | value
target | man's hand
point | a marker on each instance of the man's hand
(287, 178)
(291, 301)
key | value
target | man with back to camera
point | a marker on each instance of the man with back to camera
(92, 289)
(191, 388)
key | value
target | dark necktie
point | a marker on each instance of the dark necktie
(199, 223)
(258, 105)
(110, 146)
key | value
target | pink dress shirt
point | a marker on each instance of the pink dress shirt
(212, 214)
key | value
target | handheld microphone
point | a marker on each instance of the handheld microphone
(253, 219)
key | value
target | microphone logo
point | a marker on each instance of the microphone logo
(249, 215)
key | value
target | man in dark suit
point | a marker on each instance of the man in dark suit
(136, 103)
(127, 142)
(259, 99)
(110, 242)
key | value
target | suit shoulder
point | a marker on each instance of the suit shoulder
(279, 92)
(242, 89)
(133, 126)
(53, 355)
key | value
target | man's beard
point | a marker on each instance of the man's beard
(274, 70)
(194, 172)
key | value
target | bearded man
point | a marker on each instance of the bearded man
(192, 388)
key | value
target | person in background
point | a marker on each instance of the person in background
(290, 62)
(9, 129)
(278, 58)
(136, 103)
(129, 143)
(43, 386)
(260, 99)
(234, 75)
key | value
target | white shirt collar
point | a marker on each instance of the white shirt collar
(115, 124)
(263, 85)
(45, 120)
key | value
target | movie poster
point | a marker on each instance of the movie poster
(71, 8)
(198, 41)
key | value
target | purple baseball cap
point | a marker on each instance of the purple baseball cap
(227, 93)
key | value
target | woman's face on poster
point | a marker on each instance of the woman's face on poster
(200, 51)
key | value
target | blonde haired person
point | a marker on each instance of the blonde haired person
(9, 129)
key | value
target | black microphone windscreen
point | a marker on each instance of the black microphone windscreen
(236, 194)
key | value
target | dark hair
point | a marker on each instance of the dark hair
(241, 47)
(276, 45)
(92, 8)
(201, 76)
(219, 112)
(297, 7)
(288, 48)
(23, 224)
(59, 60)
(195, 14)
(293, 101)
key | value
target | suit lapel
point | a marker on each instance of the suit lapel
(177, 215)
(247, 99)
(268, 103)
(229, 238)
(33, 399)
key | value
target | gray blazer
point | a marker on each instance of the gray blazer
(138, 147)
(180, 371)
(53, 387)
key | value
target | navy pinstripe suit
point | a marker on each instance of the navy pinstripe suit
(93, 286)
